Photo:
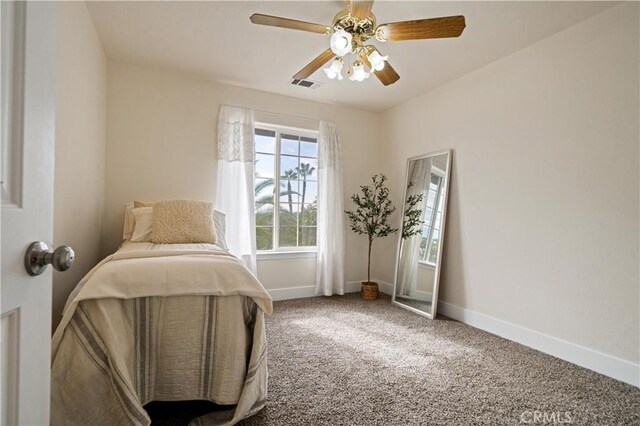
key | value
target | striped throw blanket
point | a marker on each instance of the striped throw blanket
(123, 342)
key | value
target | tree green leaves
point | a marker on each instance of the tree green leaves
(373, 209)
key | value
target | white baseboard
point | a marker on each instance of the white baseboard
(599, 362)
(292, 292)
(386, 288)
(310, 290)
(354, 286)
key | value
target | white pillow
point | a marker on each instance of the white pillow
(129, 221)
(219, 222)
(143, 226)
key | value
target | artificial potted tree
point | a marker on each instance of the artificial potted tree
(371, 218)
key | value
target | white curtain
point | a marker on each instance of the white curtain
(331, 232)
(235, 192)
(419, 176)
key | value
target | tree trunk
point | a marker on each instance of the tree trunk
(369, 262)
(289, 196)
(304, 191)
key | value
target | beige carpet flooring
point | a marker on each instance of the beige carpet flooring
(344, 361)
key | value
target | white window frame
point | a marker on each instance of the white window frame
(441, 175)
(277, 250)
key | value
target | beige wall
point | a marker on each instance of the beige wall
(543, 213)
(161, 143)
(81, 99)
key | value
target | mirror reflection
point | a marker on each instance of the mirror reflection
(419, 253)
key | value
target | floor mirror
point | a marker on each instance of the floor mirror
(422, 233)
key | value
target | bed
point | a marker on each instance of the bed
(161, 322)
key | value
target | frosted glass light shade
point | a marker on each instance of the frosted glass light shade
(377, 60)
(335, 69)
(341, 42)
(359, 73)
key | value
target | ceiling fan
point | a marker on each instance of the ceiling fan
(351, 28)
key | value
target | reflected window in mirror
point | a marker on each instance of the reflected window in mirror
(431, 234)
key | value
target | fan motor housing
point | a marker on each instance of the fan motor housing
(362, 29)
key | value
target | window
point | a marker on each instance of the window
(431, 226)
(286, 188)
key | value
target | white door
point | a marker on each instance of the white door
(27, 128)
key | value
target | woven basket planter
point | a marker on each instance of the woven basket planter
(369, 291)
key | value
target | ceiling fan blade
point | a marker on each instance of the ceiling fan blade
(449, 26)
(276, 21)
(386, 75)
(360, 8)
(314, 65)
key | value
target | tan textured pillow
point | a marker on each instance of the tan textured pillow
(183, 221)
(219, 222)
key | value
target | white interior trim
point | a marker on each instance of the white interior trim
(11, 102)
(310, 290)
(9, 361)
(383, 287)
(279, 255)
(425, 265)
(599, 362)
(288, 293)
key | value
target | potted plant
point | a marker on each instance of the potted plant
(371, 218)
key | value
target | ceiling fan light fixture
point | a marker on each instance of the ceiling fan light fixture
(377, 60)
(341, 42)
(351, 28)
(359, 73)
(381, 33)
(334, 70)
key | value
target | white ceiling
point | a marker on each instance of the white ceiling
(217, 40)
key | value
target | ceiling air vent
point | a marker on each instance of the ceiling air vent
(306, 83)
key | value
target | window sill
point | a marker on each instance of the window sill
(297, 254)
(425, 265)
